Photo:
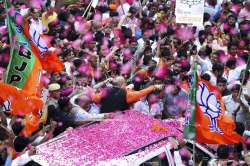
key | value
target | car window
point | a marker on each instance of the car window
(157, 161)
(198, 151)
(163, 161)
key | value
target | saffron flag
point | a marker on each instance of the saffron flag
(24, 69)
(206, 121)
(49, 60)
(212, 125)
(31, 124)
(17, 101)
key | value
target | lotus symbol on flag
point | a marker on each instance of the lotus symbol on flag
(6, 106)
(191, 2)
(36, 38)
(209, 105)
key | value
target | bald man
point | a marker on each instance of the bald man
(119, 98)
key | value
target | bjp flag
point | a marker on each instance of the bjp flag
(48, 58)
(206, 121)
(31, 124)
(24, 69)
(212, 125)
(17, 101)
(23, 77)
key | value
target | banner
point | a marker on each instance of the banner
(189, 12)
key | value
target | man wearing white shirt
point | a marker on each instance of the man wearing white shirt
(84, 110)
(145, 107)
(235, 106)
(235, 73)
(213, 7)
(217, 72)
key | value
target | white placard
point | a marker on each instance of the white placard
(189, 12)
(94, 3)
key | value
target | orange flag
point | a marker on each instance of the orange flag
(19, 102)
(31, 124)
(212, 125)
(49, 60)
(24, 70)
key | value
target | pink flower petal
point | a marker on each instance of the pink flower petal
(19, 19)
(83, 69)
(105, 42)
(11, 11)
(47, 39)
(233, 31)
(88, 37)
(242, 43)
(223, 57)
(3, 30)
(97, 17)
(76, 44)
(37, 4)
(169, 88)
(161, 28)
(126, 68)
(98, 73)
(185, 34)
(225, 26)
(240, 62)
(127, 54)
(45, 80)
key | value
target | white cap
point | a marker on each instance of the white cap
(54, 87)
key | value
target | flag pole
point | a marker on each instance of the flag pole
(87, 9)
(194, 105)
(194, 152)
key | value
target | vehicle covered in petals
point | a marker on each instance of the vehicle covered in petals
(129, 139)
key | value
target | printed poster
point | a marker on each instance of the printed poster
(189, 12)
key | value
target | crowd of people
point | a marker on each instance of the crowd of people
(131, 54)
